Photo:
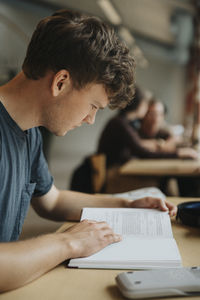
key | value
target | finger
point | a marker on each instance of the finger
(172, 209)
(88, 221)
(117, 238)
(105, 231)
(156, 203)
(99, 225)
(162, 205)
(140, 203)
(113, 238)
(100, 228)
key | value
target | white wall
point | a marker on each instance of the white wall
(17, 23)
(167, 81)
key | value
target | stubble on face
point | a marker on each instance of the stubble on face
(72, 108)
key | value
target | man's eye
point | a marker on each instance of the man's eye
(93, 106)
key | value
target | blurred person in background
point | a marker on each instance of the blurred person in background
(121, 139)
(154, 126)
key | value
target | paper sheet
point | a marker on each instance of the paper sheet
(132, 221)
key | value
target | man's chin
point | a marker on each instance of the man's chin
(61, 133)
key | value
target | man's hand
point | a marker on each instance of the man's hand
(150, 202)
(34, 257)
(88, 237)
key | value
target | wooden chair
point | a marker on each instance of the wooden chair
(98, 164)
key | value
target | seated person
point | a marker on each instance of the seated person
(59, 90)
(153, 127)
(120, 140)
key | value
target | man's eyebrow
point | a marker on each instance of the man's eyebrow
(100, 106)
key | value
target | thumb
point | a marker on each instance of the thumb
(163, 206)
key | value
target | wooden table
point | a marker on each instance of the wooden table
(74, 284)
(161, 167)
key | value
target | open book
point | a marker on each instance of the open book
(147, 240)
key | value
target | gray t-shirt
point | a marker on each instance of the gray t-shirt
(23, 173)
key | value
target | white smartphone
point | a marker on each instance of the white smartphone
(160, 283)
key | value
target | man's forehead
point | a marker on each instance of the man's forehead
(100, 95)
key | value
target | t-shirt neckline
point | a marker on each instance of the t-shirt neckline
(11, 122)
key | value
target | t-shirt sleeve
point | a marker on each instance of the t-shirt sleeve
(39, 172)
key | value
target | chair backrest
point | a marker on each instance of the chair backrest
(90, 175)
(98, 163)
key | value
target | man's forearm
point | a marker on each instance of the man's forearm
(69, 204)
(21, 262)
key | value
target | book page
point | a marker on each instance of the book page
(147, 240)
(140, 223)
(134, 253)
(142, 193)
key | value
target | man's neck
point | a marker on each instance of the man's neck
(20, 98)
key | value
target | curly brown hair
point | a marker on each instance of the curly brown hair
(88, 48)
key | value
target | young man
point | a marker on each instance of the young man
(74, 66)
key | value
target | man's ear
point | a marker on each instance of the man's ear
(60, 81)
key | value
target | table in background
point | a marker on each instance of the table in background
(161, 167)
(162, 173)
(74, 284)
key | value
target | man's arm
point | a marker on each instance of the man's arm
(23, 261)
(63, 205)
(60, 205)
